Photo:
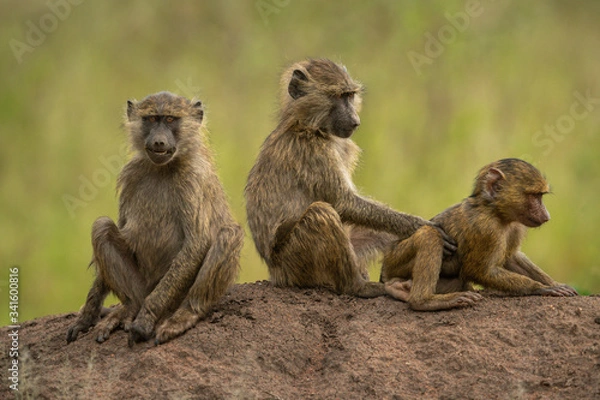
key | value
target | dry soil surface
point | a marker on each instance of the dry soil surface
(264, 342)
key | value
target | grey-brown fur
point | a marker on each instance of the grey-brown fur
(307, 219)
(175, 249)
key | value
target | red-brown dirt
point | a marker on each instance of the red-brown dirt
(264, 342)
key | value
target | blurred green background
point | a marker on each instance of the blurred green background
(451, 86)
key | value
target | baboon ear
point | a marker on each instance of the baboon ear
(130, 109)
(295, 88)
(492, 182)
(199, 110)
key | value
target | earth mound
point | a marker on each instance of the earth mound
(264, 342)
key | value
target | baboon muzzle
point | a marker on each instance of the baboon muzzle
(159, 146)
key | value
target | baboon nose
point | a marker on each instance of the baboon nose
(546, 217)
(356, 123)
(159, 145)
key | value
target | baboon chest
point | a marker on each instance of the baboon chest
(154, 225)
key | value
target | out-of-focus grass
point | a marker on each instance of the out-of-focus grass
(509, 71)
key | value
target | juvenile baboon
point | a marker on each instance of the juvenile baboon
(175, 249)
(489, 227)
(308, 222)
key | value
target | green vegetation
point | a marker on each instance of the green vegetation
(451, 86)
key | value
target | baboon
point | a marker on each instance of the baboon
(308, 221)
(175, 248)
(488, 227)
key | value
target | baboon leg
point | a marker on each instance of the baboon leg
(217, 273)
(397, 268)
(368, 244)
(399, 260)
(446, 301)
(116, 271)
(317, 252)
(90, 313)
(426, 274)
(116, 263)
(421, 256)
(400, 289)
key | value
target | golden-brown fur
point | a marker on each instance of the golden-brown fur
(488, 227)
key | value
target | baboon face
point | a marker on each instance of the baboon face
(535, 212)
(525, 187)
(160, 132)
(343, 118)
(159, 119)
(328, 96)
(516, 188)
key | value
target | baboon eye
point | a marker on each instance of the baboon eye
(348, 95)
(169, 119)
(152, 118)
(536, 198)
(536, 195)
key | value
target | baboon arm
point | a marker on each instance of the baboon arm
(499, 278)
(365, 212)
(176, 281)
(170, 290)
(520, 264)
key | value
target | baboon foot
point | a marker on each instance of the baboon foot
(371, 289)
(400, 290)
(446, 301)
(106, 327)
(182, 320)
(121, 316)
(467, 299)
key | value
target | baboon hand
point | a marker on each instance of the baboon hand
(557, 291)
(141, 329)
(568, 289)
(449, 243)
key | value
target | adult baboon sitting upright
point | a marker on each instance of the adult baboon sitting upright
(175, 248)
(308, 222)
